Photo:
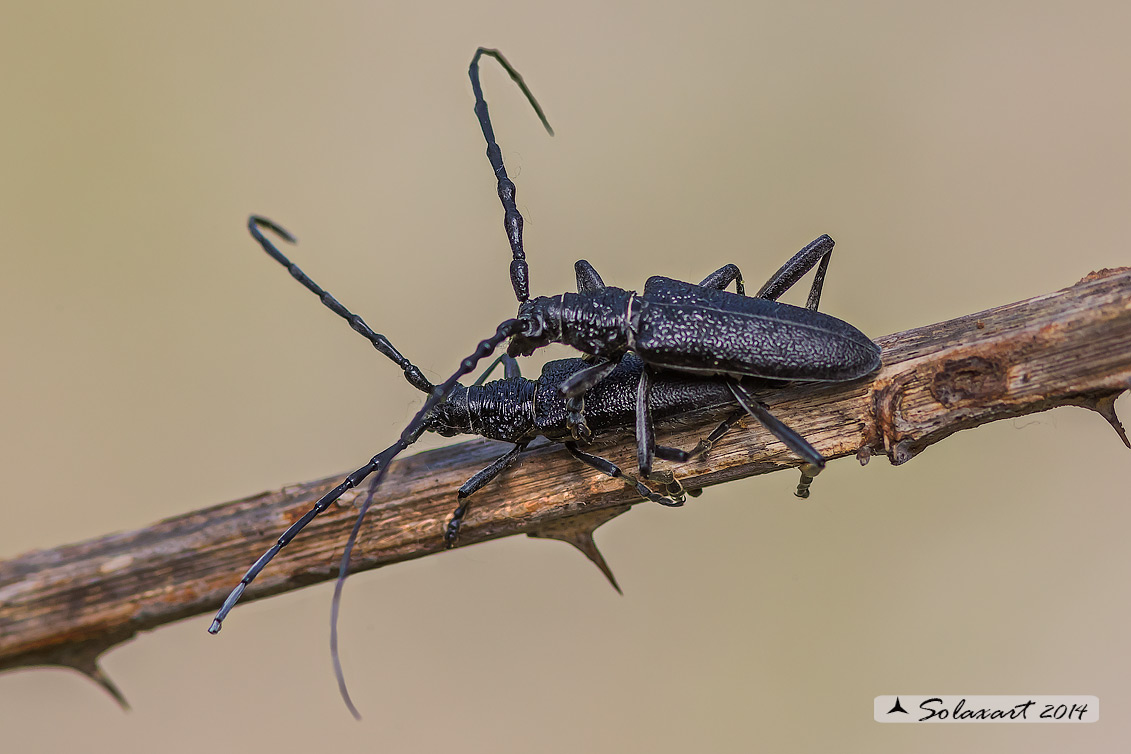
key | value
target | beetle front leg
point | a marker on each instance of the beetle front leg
(574, 389)
(588, 280)
(722, 277)
(511, 369)
(646, 439)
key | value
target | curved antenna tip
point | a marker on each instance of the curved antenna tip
(516, 77)
(255, 222)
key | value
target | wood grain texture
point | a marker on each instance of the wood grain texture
(67, 605)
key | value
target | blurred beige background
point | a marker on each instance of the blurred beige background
(963, 155)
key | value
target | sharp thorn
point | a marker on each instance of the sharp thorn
(578, 531)
(99, 676)
(1105, 407)
(83, 662)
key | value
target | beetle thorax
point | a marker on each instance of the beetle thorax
(594, 322)
(597, 322)
(502, 410)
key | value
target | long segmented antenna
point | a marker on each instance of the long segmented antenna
(408, 436)
(379, 464)
(414, 376)
(512, 219)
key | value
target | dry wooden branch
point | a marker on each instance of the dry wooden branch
(68, 605)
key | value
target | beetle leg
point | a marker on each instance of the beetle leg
(511, 370)
(574, 390)
(645, 430)
(673, 488)
(580, 382)
(500, 464)
(575, 420)
(704, 446)
(606, 466)
(820, 250)
(814, 462)
(588, 281)
(676, 455)
(646, 449)
(723, 276)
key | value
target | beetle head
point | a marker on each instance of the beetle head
(450, 417)
(541, 319)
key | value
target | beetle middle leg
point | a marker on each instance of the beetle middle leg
(703, 446)
(574, 389)
(647, 450)
(608, 467)
(505, 461)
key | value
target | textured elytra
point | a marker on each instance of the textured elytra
(691, 328)
(610, 405)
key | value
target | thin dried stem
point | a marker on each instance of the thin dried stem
(68, 605)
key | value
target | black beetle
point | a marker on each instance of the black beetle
(673, 325)
(513, 409)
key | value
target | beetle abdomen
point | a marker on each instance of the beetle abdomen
(695, 329)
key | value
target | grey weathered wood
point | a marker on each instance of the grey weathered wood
(67, 605)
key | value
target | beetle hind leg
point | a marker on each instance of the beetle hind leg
(724, 276)
(812, 461)
(816, 254)
(606, 466)
(808, 472)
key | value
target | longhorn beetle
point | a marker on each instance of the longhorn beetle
(701, 329)
(513, 409)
